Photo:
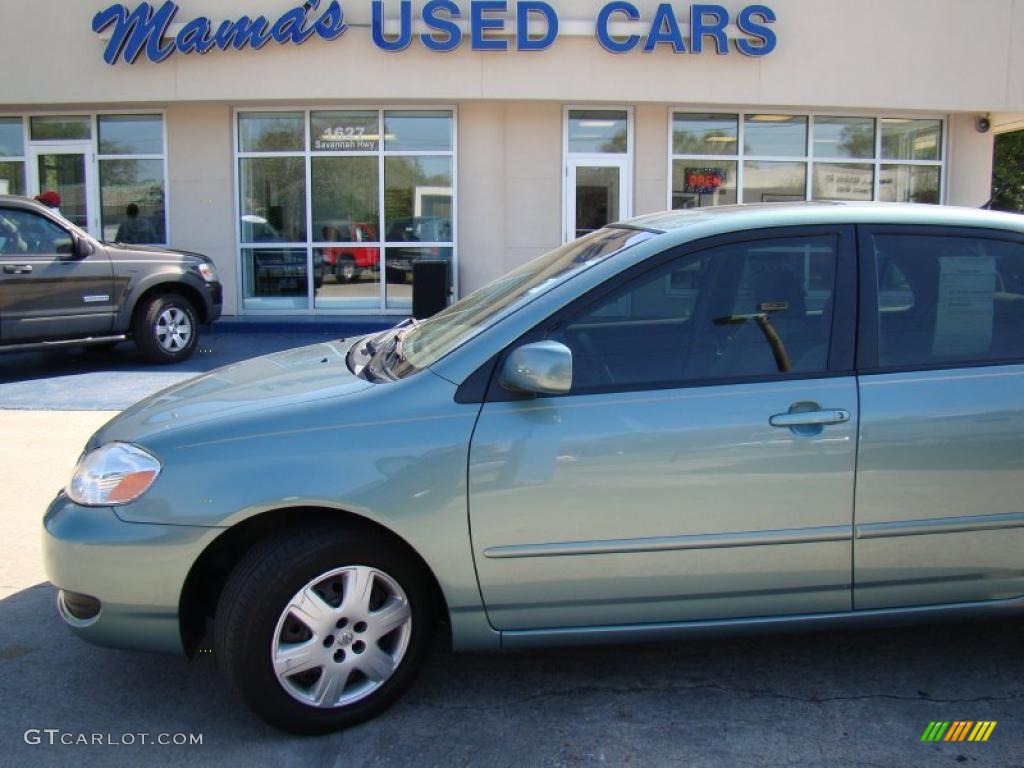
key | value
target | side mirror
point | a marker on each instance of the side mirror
(79, 248)
(542, 368)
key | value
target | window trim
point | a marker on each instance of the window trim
(844, 318)
(868, 330)
(310, 245)
(808, 158)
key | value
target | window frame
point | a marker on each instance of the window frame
(876, 161)
(312, 245)
(94, 116)
(844, 318)
(626, 162)
(868, 328)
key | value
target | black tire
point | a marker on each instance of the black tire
(149, 327)
(254, 601)
(346, 270)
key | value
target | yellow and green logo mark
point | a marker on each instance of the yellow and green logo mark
(958, 730)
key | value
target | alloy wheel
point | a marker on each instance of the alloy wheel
(173, 329)
(341, 636)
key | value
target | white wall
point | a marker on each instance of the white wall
(201, 188)
(936, 55)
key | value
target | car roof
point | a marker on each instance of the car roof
(20, 200)
(694, 222)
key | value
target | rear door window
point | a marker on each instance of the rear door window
(948, 299)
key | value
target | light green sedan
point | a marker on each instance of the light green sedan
(741, 419)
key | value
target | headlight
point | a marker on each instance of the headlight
(208, 272)
(116, 473)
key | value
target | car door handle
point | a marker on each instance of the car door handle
(822, 418)
(17, 269)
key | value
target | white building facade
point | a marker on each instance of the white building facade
(318, 151)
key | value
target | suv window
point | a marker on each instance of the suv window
(948, 299)
(752, 309)
(29, 233)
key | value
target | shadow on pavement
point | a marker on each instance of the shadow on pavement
(853, 698)
(77, 378)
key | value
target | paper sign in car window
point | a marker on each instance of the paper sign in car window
(966, 298)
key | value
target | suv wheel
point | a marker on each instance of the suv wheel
(165, 328)
(323, 628)
(347, 270)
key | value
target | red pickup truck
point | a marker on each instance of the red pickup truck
(348, 261)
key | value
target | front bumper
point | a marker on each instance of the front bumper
(214, 301)
(135, 570)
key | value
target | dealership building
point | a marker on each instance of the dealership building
(319, 152)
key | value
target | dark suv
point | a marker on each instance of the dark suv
(60, 286)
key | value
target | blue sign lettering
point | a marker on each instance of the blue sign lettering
(749, 26)
(523, 40)
(447, 26)
(404, 38)
(147, 29)
(604, 19)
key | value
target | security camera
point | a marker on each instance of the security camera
(983, 124)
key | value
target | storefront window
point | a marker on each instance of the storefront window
(705, 134)
(598, 131)
(399, 271)
(911, 139)
(132, 201)
(774, 182)
(418, 131)
(12, 154)
(909, 184)
(843, 181)
(271, 132)
(12, 137)
(61, 128)
(12, 178)
(893, 158)
(775, 135)
(345, 131)
(844, 137)
(348, 276)
(131, 135)
(344, 193)
(356, 255)
(276, 277)
(698, 183)
(132, 179)
(273, 193)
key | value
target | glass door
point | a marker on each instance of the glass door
(67, 169)
(597, 194)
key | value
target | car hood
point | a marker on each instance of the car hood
(271, 382)
(155, 252)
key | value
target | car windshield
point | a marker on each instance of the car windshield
(427, 342)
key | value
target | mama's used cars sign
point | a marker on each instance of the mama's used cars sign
(147, 29)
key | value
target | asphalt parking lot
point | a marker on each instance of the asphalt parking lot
(857, 698)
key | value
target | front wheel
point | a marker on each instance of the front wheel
(347, 269)
(324, 628)
(165, 328)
